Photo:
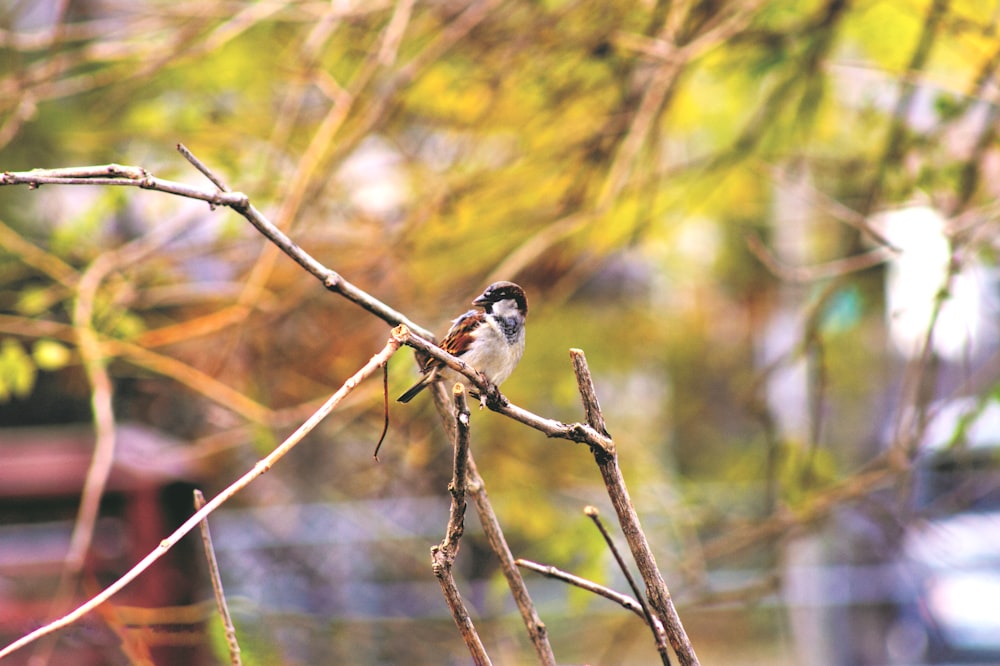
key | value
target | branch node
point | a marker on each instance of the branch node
(401, 334)
(333, 281)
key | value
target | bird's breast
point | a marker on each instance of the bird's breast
(495, 352)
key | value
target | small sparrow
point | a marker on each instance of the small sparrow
(491, 340)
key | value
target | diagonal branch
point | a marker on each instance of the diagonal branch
(116, 175)
(654, 623)
(607, 461)
(549, 571)
(373, 365)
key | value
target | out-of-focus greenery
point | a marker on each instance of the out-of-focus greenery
(613, 158)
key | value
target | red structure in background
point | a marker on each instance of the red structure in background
(161, 617)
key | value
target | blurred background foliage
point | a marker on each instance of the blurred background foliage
(687, 190)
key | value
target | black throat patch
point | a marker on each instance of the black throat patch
(510, 327)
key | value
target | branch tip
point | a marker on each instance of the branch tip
(588, 394)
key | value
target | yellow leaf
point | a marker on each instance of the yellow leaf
(50, 355)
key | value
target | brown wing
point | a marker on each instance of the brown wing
(460, 335)
(456, 342)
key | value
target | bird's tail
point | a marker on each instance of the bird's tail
(413, 391)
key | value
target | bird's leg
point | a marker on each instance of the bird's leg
(493, 397)
(482, 395)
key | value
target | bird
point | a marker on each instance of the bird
(491, 340)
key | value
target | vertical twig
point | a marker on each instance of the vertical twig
(607, 461)
(659, 635)
(216, 578)
(537, 632)
(443, 555)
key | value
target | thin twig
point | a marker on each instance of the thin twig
(837, 210)
(260, 468)
(385, 411)
(654, 623)
(32, 255)
(216, 578)
(200, 166)
(877, 475)
(549, 571)
(443, 555)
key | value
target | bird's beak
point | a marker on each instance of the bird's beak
(481, 299)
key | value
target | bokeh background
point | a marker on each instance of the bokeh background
(770, 225)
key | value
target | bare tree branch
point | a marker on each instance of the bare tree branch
(607, 461)
(443, 555)
(825, 271)
(126, 176)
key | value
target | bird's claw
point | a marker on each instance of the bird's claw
(494, 398)
(491, 397)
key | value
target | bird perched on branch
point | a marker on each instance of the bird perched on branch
(491, 340)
